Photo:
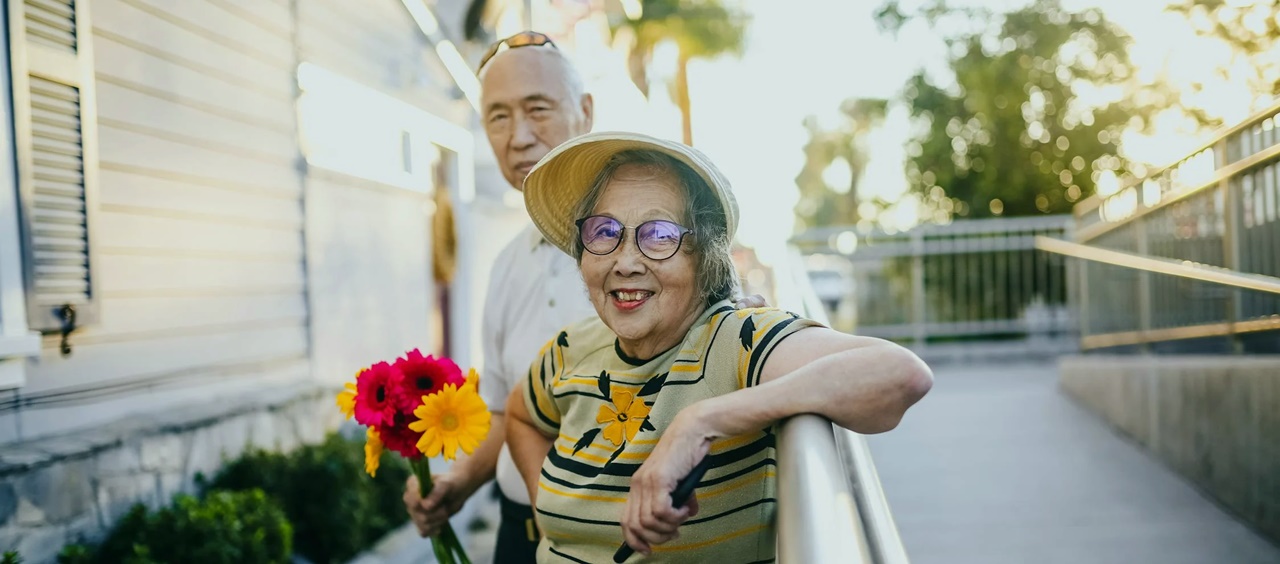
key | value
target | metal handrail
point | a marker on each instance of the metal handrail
(878, 524)
(1184, 269)
(1094, 200)
(831, 507)
(818, 515)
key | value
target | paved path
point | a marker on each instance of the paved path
(476, 524)
(997, 466)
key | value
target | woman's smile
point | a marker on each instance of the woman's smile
(628, 299)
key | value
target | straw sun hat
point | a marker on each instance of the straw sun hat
(561, 179)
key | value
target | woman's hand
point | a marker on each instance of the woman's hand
(649, 518)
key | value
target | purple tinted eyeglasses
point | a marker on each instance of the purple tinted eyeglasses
(657, 239)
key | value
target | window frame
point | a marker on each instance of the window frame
(16, 341)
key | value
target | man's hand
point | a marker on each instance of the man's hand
(447, 496)
(452, 489)
(750, 302)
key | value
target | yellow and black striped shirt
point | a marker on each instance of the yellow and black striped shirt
(608, 411)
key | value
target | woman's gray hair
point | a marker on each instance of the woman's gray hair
(715, 274)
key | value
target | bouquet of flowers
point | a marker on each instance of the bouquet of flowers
(420, 407)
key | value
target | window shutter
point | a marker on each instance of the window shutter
(55, 134)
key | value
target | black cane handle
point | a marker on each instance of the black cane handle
(679, 497)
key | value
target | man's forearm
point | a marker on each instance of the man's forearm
(481, 465)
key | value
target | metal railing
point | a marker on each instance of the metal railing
(963, 281)
(831, 507)
(1126, 268)
(1218, 207)
(818, 519)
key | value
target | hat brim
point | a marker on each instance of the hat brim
(559, 182)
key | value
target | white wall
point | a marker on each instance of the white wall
(369, 265)
(223, 268)
(199, 228)
(368, 240)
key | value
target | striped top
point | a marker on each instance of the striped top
(607, 412)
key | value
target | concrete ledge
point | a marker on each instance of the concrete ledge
(1214, 419)
(70, 488)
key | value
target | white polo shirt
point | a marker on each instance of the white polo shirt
(535, 290)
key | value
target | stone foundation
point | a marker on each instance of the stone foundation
(72, 488)
(1214, 419)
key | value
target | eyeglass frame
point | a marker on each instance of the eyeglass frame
(684, 232)
(542, 40)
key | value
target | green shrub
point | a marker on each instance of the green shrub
(223, 528)
(336, 509)
(11, 557)
(75, 554)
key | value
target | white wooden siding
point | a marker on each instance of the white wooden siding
(211, 271)
(226, 381)
(199, 229)
(377, 43)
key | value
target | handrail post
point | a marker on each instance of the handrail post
(918, 318)
(1230, 241)
(1144, 284)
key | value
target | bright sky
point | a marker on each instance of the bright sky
(748, 111)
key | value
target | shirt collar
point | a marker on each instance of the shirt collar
(534, 238)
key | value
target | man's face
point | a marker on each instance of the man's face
(528, 108)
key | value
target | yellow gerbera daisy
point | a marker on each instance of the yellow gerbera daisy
(372, 451)
(451, 419)
(473, 380)
(624, 418)
(347, 399)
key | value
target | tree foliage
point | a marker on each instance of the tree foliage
(822, 204)
(1251, 31)
(1026, 126)
(699, 28)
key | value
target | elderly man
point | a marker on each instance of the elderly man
(532, 99)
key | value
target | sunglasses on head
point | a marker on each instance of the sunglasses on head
(522, 39)
(657, 239)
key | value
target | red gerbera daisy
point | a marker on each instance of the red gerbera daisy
(424, 376)
(376, 389)
(398, 437)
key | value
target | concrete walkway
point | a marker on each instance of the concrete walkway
(997, 466)
(476, 524)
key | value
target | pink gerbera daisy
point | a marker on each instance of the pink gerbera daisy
(376, 399)
(397, 437)
(424, 376)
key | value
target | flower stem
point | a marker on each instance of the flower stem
(457, 545)
(446, 544)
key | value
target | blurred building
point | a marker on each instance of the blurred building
(211, 213)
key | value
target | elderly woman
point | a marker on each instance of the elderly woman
(618, 409)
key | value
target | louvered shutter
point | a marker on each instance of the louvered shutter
(54, 126)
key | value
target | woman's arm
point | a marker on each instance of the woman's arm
(860, 383)
(528, 445)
